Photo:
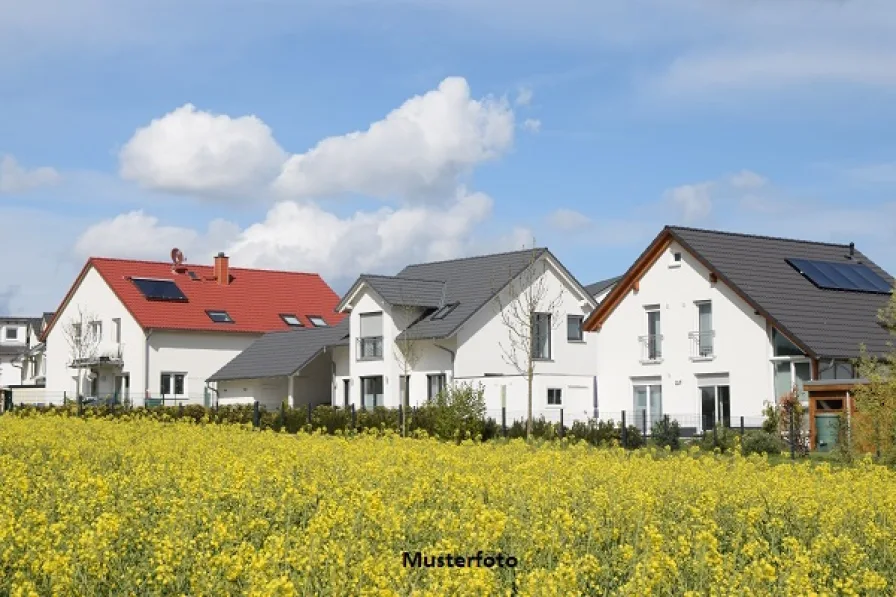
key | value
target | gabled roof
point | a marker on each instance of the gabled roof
(408, 292)
(254, 298)
(823, 323)
(599, 287)
(282, 353)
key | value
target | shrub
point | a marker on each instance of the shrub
(326, 418)
(761, 442)
(595, 432)
(458, 412)
(666, 433)
(720, 438)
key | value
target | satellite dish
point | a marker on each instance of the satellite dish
(177, 256)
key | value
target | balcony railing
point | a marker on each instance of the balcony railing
(370, 348)
(651, 348)
(702, 345)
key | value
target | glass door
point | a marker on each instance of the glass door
(715, 406)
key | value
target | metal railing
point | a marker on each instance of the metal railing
(370, 348)
(702, 344)
(651, 348)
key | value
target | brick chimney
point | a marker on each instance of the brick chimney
(222, 269)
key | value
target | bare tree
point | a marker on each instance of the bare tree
(529, 312)
(405, 348)
(83, 340)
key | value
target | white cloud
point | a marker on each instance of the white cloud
(137, 235)
(747, 179)
(694, 201)
(874, 173)
(568, 220)
(533, 125)
(417, 152)
(14, 178)
(191, 151)
(524, 96)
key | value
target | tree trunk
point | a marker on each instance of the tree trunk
(529, 417)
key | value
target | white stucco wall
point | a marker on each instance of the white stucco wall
(10, 375)
(741, 344)
(197, 355)
(269, 392)
(94, 297)
(571, 369)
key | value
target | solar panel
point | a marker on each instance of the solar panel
(159, 290)
(832, 275)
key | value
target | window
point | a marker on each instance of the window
(116, 330)
(291, 319)
(76, 335)
(784, 347)
(317, 321)
(346, 392)
(703, 339)
(444, 311)
(159, 290)
(652, 343)
(435, 385)
(12, 333)
(370, 343)
(676, 259)
(836, 369)
(541, 336)
(372, 391)
(715, 404)
(219, 316)
(574, 328)
(404, 390)
(648, 405)
(790, 374)
(96, 330)
(172, 384)
(555, 397)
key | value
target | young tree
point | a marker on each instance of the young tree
(530, 311)
(405, 349)
(875, 423)
(82, 339)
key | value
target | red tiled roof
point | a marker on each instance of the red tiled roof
(254, 299)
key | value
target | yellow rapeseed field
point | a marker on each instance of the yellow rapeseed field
(102, 507)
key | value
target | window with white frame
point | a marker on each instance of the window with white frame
(12, 333)
(648, 404)
(715, 406)
(541, 336)
(172, 384)
(96, 330)
(372, 391)
(370, 342)
(116, 329)
(652, 342)
(555, 397)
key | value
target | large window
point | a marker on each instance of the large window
(555, 397)
(372, 391)
(435, 385)
(715, 403)
(648, 404)
(574, 328)
(172, 385)
(705, 333)
(370, 342)
(652, 343)
(784, 347)
(792, 374)
(836, 369)
(541, 335)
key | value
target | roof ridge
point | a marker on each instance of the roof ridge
(761, 236)
(471, 257)
(401, 278)
(209, 266)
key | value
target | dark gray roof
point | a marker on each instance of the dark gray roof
(282, 353)
(829, 323)
(405, 291)
(12, 349)
(598, 287)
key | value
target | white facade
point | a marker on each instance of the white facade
(474, 355)
(138, 359)
(13, 343)
(698, 369)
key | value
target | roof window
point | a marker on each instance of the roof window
(220, 316)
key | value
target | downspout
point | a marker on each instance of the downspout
(453, 355)
(146, 367)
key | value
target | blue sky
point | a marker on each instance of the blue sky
(129, 126)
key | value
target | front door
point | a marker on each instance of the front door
(123, 387)
(715, 402)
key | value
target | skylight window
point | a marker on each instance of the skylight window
(291, 319)
(831, 275)
(159, 290)
(317, 321)
(444, 311)
(220, 316)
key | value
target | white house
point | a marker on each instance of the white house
(138, 330)
(33, 362)
(13, 345)
(707, 326)
(409, 336)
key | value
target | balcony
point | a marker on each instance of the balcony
(651, 348)
(109, 354)
(370, 348)
(702, 345)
